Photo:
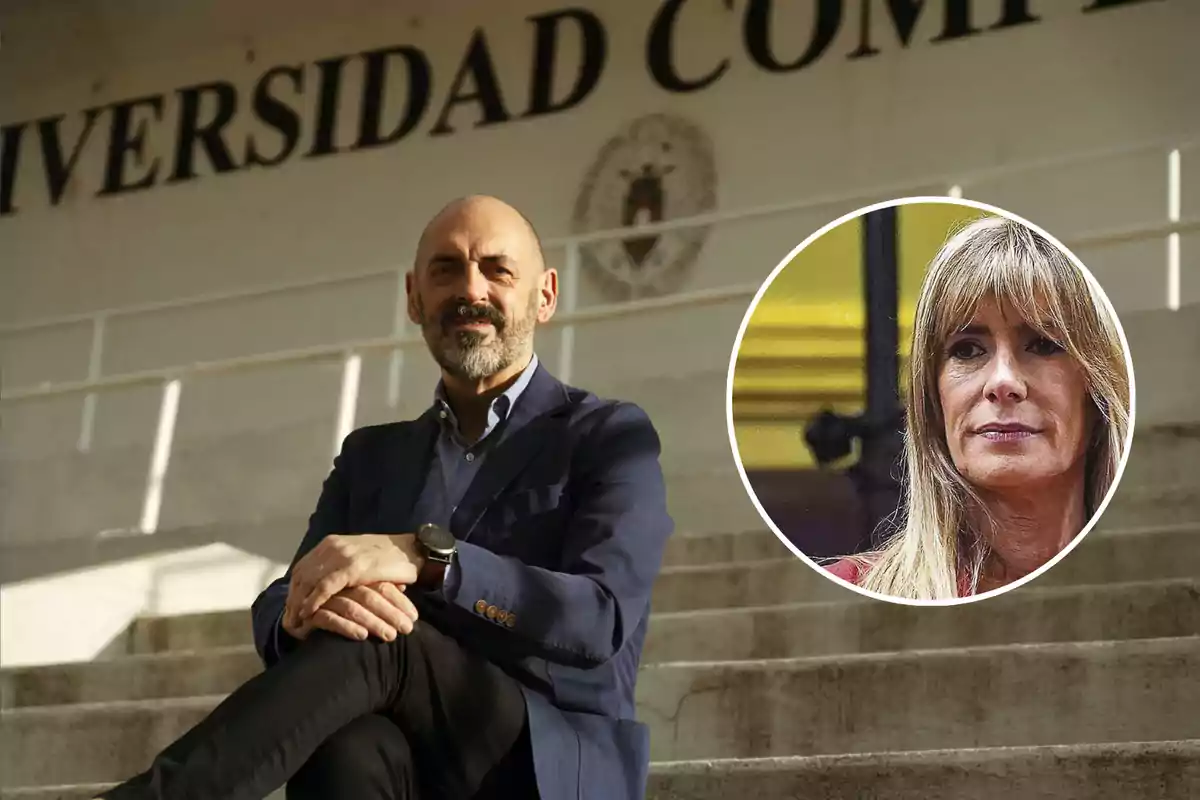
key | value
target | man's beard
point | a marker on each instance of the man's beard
(469, 354)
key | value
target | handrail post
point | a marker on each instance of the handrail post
(348, 402)
(1174, 212)
(399, 326)
(161, 457)
(95, 360)
(569, 294)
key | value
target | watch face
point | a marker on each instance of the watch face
(436, 539)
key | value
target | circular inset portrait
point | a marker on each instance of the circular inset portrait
(931, 401)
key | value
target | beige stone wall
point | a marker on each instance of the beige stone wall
(976, 112)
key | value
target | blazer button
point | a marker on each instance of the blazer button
(511, 620)
(492, 611)
(481, 606)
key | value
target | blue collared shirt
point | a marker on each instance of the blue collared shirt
(456, 461)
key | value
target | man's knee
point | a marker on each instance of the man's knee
(370, 749)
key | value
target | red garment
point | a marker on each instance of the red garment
(845, 569)
(850, 571)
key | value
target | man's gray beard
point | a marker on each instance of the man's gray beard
(466, 354)
(469, 356)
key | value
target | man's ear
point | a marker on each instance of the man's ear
(410, 289)
(548, 295)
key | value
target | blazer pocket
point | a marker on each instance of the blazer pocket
(526, 505)
(527, 524)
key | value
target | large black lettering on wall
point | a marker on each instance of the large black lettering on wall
(11, 137)
(136, 144)
(329, 72)
(956, 22)
(1015, 12)
(1100, 5)
(207, 135)
(377, 69)
(275, 114)
(476, 68)
(660, 53)
(125, 140)
(547, 32)
(757, 31)
(59, 169)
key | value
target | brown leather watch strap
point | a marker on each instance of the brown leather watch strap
(432, 574)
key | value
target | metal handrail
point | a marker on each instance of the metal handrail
(895, 189)
(329, 352)
(596, 313)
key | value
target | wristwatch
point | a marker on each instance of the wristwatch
(438, 546)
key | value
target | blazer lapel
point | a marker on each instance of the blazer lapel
(405, 472)
(536, 418)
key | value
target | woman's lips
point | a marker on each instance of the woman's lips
(1006, 436)
(1006, 432)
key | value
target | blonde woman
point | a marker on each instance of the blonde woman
(1017, 413)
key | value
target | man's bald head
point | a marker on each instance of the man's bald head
(479, 212)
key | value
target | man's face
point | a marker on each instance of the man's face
(479, 289)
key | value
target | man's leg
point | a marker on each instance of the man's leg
(514, 777)
(471, 754)
(460, 713)
(369, 759)
(464, 718)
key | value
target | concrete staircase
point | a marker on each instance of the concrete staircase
(763, 677)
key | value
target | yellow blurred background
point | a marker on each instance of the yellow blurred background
(804, 346)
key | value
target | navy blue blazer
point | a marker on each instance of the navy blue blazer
(564, 528)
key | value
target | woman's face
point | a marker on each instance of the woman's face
(1015, 404)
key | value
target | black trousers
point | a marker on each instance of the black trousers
(420, 717)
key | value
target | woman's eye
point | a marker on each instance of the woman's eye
(964, 349)
(1044, 346)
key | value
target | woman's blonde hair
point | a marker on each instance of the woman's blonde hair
(992, 257)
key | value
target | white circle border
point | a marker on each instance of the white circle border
(978, 206)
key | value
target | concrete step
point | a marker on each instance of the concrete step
(1130, 554)
(1115, 556)
(690, 550)
(1011, 695)
(179, 674)
(80, 791)
(228, 628)
(1142, 610)
(1160, 770)
(1168, 503)
(783, 579)
(1060, 614)
(981, 697)
(1103, 557)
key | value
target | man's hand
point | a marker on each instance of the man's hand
(380, 609)
(344, 562)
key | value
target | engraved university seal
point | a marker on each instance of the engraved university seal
(656, 169)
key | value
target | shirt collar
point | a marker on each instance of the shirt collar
(499, 408)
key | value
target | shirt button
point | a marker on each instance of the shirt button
(442, 414)
(470, 456)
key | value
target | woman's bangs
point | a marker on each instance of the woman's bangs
(1040, 288)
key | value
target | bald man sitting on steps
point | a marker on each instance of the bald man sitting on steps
(464, 617)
